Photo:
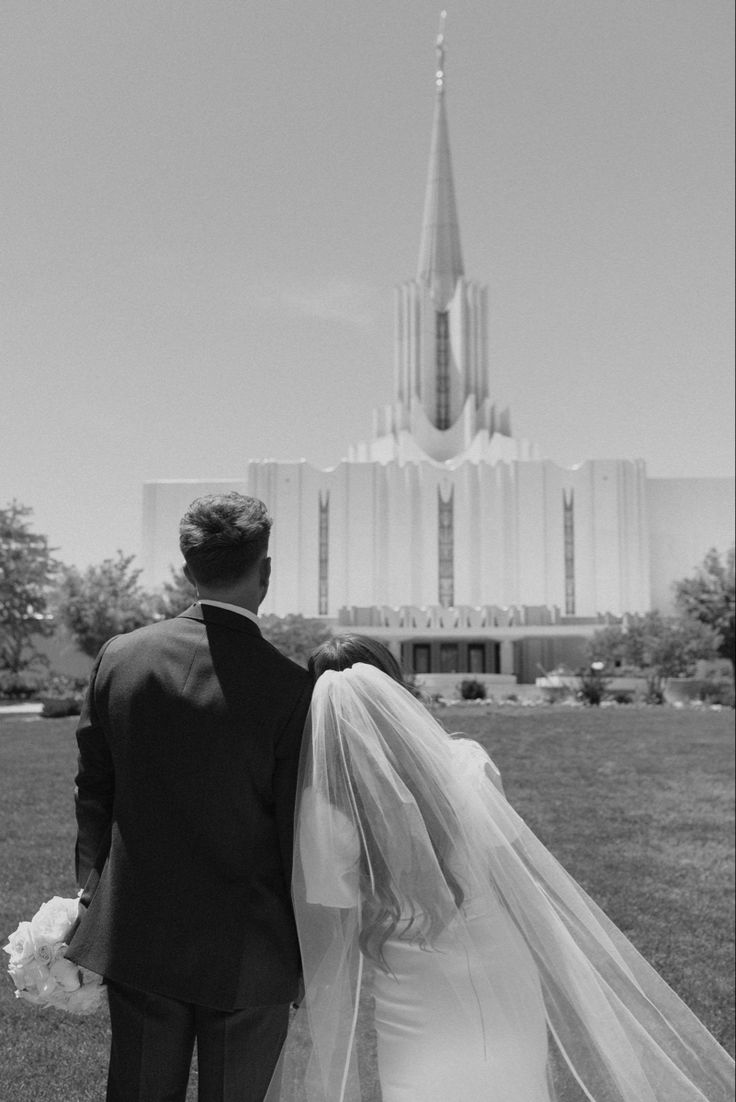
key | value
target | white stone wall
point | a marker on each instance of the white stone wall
(383, 533)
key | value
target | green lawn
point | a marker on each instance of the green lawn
(636, 803)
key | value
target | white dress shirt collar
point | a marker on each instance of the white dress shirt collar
(231, 608)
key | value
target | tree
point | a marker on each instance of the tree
(655, 645)
(709, 597)
(27, 570)
(102, 601)
(295, 635)
(175, 595)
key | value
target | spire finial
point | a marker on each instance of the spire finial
(440, 48)
(440, 260)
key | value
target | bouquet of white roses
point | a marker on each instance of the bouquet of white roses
(41, 973)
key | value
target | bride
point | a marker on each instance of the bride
(446, 953)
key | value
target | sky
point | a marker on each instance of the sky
(205, 208)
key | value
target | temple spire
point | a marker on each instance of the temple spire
(440, 256)
(440, 51)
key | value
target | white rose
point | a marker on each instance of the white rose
(20, 944)
(45, 953)
(66, 974)
(27, 976)
(53, 921)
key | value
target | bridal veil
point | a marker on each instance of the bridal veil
(393, 818)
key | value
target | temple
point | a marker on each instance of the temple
(446, 535)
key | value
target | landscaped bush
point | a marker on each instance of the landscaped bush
(719, 690)
(62, 696)
(553, 694)
(621, 696)
(22, 685)
(470, 689)
(592, 687)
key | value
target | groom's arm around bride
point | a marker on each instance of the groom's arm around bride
(188, 752)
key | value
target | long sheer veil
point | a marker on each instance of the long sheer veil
(391, 818)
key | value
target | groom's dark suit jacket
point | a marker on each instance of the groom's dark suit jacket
(188, 750)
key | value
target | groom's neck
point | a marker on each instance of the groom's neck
(247, 600)
(245, 594)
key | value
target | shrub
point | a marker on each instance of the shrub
(719, 690)
(61, 684)
(470, 689)
(62, 696)
(592, 685)
(552, 694)
(295, 635)
(58, 707)
(621, 696)
(21, 685)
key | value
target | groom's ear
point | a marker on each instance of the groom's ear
(189, 576)
(264, 575)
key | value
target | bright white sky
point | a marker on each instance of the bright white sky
(206, 205)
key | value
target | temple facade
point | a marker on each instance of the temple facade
(445, 529)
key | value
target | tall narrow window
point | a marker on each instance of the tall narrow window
(324, 554)
(446, 551)
(569, 531)
(442, 360)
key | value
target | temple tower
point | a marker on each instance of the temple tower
(442, 408)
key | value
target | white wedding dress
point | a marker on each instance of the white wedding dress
(447, 955)
(441, 1034)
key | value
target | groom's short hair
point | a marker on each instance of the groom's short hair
(223, 536)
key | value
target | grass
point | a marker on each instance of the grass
(636, 803)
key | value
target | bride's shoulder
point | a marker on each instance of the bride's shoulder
(464, 747)
(473, 759)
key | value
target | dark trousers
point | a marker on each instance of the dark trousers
(153, 1041)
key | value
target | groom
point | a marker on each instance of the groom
(188, 751)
